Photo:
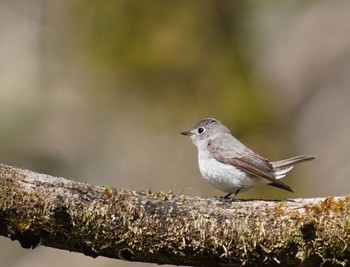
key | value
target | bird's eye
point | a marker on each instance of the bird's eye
(200, 130)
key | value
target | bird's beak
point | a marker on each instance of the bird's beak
(187, 133)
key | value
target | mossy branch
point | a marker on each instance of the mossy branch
(169, 229)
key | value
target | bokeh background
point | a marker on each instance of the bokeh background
(98, 91)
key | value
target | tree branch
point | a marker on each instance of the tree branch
(169, 229)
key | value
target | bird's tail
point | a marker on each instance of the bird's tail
(281, 167)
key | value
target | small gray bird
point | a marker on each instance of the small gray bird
(230, 166)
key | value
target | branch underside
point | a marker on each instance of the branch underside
(170, 229)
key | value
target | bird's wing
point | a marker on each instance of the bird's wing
(244, 159)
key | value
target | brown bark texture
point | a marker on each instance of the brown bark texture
(173, 229)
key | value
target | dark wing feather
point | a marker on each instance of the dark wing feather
(253, 169)
(244, 159)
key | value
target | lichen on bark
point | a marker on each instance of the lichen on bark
(171, 229)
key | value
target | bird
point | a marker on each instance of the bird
(230, 166)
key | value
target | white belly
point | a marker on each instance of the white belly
(226, 177)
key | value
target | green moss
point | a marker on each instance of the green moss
(162, 226)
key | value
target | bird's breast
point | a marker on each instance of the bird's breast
(222, 176)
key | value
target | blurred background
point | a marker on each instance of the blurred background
(98, 91)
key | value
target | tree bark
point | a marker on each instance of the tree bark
(169, 229)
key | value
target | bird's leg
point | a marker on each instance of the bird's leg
(228, 198)
(235, 193)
